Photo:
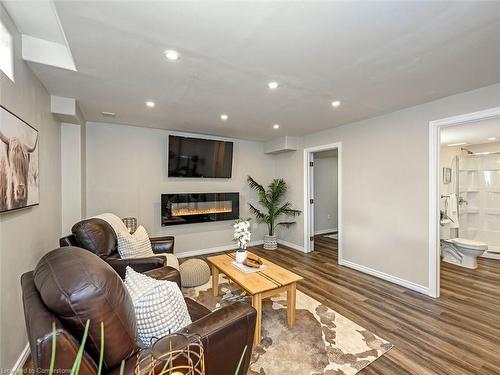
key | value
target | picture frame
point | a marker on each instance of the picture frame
(446, 175)
(19, 163)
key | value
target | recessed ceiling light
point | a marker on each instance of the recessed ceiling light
(335, 103)
(492, 139)
(108, 114)
(273, 85)
(150, 104)
(457, 144)
(172, 55)
(276, 126)
(224, 117)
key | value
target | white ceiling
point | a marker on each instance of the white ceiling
(473, 133)
(376, 57)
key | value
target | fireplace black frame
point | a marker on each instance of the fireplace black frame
(167, 200)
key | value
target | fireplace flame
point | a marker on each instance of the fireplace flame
(200, 211)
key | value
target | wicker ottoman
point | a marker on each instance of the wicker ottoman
(194, 272)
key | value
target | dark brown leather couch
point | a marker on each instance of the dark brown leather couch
(70, 286)
(97, 236)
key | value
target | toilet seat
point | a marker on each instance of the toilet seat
(470, 244)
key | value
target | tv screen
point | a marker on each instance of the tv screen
(196, 157)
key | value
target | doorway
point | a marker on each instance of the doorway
(435, 186)
(323, 203)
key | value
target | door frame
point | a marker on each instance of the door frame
(434, 186)
(308, 193)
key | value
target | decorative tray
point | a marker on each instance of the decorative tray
(247, 269)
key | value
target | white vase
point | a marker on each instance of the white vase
(241, 255)
(270, 242)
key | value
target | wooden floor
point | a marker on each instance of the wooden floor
(458, 333)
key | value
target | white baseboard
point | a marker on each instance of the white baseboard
(384, 276)
(292, 245)
(212, 250)
(325, 231)
(219, 249)
(491, 255)
(21, 360)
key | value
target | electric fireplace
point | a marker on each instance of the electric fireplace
(187, 208)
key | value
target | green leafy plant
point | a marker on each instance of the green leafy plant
(272, 201)
(241, 361)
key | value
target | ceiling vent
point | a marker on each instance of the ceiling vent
(281, 144)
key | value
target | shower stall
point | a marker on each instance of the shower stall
(477, 185)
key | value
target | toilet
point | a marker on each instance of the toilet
(462, 252)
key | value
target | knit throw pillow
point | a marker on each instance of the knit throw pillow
(160, 308)
(136, 245)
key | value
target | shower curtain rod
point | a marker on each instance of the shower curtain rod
(482, 153)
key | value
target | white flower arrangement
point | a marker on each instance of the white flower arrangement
(242, 232)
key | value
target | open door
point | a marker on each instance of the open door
(309, 197)
(311, 202)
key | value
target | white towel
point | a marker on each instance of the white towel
(452, 211)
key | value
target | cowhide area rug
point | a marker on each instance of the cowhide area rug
(322, 341)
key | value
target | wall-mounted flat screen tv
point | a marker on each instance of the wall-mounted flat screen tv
(196, 157)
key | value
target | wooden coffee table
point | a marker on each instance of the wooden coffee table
(259, 285)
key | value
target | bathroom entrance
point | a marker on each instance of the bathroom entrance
(323, 198)
(465, 193)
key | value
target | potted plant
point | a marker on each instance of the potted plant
(242, 235)
(272, 201)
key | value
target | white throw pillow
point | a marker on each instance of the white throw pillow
(136, 245)
(159, 305)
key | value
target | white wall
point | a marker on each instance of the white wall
(83, 168)
(27, 234)
(127, 173)
(385, 184)
(289, 166)
(325, 192)
(71, 176)
(447, 154)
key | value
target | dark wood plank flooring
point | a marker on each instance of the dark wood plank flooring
(459, 333)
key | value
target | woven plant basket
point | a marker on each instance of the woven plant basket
(270, 242)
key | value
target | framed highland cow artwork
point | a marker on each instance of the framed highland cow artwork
(19, 184)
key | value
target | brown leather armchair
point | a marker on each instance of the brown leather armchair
(97, 236)
(72, 286)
